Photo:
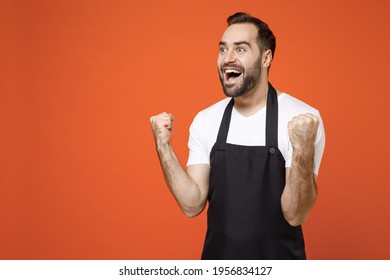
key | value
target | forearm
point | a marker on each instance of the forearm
(300, 190)
(186, 192)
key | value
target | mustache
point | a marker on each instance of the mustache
(232, 65)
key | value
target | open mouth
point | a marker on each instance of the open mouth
(232, 74)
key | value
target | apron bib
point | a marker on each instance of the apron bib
(245, 218)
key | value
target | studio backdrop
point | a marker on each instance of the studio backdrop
(79, 175)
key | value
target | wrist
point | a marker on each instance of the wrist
(162, 146)
(303, 159)
(164, 151)
(303, 148)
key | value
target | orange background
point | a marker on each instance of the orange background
(79, 176)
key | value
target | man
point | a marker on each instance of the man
(254, 155)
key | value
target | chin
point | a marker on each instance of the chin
(234, 94)
(231, 92)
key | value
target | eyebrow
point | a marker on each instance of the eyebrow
(236, 43)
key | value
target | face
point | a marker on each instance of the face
(239, 60)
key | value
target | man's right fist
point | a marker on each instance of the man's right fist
(162, 126)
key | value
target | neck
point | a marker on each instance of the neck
(254, 100)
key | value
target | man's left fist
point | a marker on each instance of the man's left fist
(302, 130)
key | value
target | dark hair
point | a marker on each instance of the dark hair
(265, 37)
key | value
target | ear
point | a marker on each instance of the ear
(267, 58)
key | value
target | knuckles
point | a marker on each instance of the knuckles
(304, 122)
(159, 116)
(162, 119)
(303, 128)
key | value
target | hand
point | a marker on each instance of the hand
(162, 126)
(302, 130)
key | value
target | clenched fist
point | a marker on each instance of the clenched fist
(162, 125)
(302, 130)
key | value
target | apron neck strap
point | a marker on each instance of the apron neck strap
(271, 119)
(271, 126)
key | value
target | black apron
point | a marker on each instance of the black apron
(245, 218)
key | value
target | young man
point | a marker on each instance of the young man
(254, 156)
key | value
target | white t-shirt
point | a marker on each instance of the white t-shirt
(249, 131)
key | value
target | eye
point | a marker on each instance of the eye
(222, 49)
(240, 49)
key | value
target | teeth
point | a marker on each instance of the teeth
(232, 71)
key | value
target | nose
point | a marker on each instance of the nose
(230, 57)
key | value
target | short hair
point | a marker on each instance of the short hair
(265, 38)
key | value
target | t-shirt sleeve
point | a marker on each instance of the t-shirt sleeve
(196, 143)
(319, 148)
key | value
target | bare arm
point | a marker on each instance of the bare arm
(188, 187)
(300, 192)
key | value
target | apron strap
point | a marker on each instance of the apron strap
(225, 123)
(271, 127)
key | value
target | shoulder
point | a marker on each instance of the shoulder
(213, 112)
(292, 106)
(204, 130)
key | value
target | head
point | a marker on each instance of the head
(246, 52)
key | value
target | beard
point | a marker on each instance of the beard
(251, 77)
